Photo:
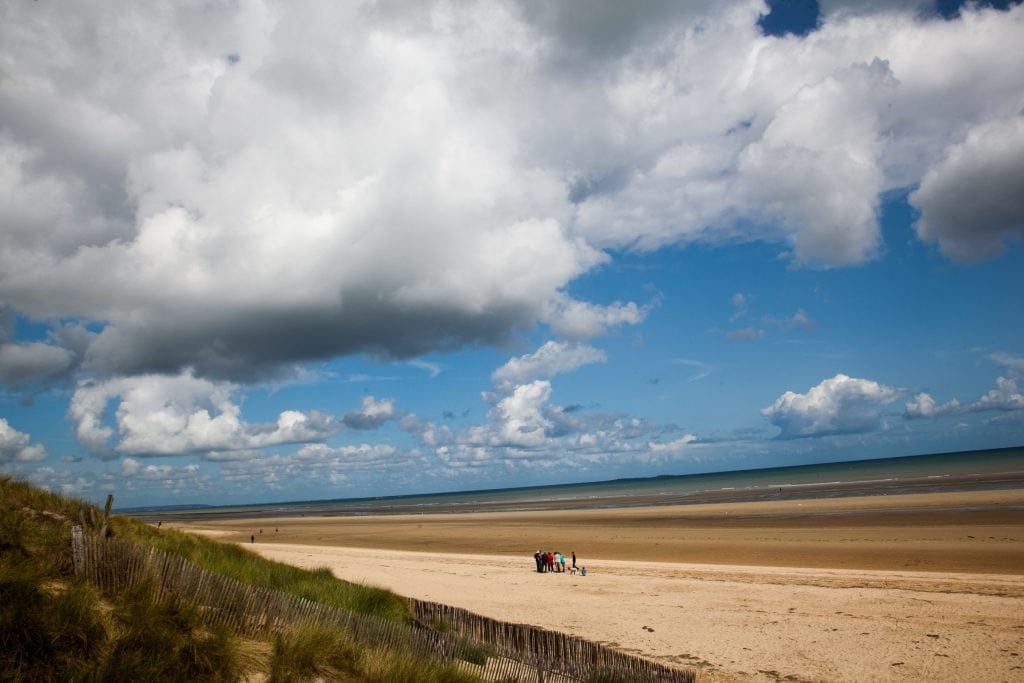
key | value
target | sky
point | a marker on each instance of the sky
(257, 251)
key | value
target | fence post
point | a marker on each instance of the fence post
(105, 529)
(78, 549)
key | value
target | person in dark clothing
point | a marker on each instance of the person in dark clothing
(536, 561)
(574, 559)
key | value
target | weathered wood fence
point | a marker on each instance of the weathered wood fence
(514, 652)
(546, 651)
(116, 565)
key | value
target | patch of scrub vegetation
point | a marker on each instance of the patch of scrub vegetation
(56, 626)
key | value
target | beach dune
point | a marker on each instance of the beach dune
(922, 587)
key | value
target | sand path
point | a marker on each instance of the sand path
(728, 622)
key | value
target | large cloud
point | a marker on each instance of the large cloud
(973, 201)
(161, 415)
(235, 188)
(281, 191)
(839, 405)
(736, 135)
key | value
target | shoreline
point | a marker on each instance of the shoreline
(974, 531)
(543, 499)
(887, 588)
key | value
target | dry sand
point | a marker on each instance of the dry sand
(806, 590)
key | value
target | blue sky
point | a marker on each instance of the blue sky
(262, 252)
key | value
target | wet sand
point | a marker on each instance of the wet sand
(913, 587)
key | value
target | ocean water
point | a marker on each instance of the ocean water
(972, 470)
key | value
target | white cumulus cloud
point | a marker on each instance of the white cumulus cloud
(838, 405)
(582, 320)
(1006, 395)
(173, 415)
(16, 446)
(552, 358)
(372, 413)
(924, 406)
(520, 420)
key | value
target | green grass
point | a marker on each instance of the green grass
(473, 652)
(154, 637)
(46, 632)
(318, 585)
(55, 626)
(314, 652)
(399, 667)
(34, 525)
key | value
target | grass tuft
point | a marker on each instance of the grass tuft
(314, 652)
(473, 652)
(390, 667)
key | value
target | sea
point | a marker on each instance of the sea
(961, 471)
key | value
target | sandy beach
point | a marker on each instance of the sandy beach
(916, 587)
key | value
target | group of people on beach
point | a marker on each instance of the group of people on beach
(554, 561)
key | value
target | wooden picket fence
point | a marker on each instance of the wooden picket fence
(512, 652)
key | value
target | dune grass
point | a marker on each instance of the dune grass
(383, 666)
(55, 626)
(318, 585)
(314, 652)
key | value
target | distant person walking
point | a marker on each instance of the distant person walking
(574, 559)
